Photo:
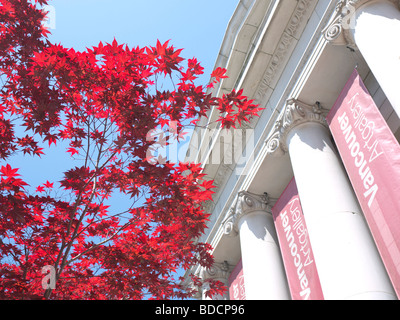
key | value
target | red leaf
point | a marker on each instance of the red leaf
(103, 101)
(208, 184)
(51, 139)
(219, 73)
(48, 185)
(73, 151)
(8, 171)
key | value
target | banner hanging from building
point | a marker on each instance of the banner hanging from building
(236, 283)
(371, 156)
(294, 242)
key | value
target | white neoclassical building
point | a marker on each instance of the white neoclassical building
(294, 58)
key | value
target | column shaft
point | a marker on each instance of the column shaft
(376, 34)
(348, 262)
(263, 270)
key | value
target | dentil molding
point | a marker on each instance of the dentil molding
(294, 114)
(339, 29)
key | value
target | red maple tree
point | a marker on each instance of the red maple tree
(102, 102)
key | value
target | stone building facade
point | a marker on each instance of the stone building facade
(294, 59)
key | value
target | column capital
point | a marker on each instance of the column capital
(339, 28)
(294, 114)
(245, 203)
(218, 271)
(192, 286)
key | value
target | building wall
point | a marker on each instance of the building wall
(278, 51)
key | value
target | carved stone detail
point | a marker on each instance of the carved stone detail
(274, 65)
(218, 271)
(294, 113)
(189, 285)
(339, 29)
(282, 50)
(245, 203)
(229, 224)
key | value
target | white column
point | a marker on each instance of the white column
(348, 263)
(377, 36)
(263, 270)
(373, 27)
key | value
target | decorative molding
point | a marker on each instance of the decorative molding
(282, 49)
(229, 224)
(274, 65)
(297, 17)
(218, 271)
(338, 31)
(189, 285)
(245, 203)
(294, 113)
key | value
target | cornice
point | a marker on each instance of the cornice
(339, 29)
(294, 114)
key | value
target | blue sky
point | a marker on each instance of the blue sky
(196, 26)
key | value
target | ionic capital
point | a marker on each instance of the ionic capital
(192, 286)
(246, 203)
(339, 29)
(294, 114)
(218, 271)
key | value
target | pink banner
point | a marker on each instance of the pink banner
(371, 156)
(236, 283)
(294, 242)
